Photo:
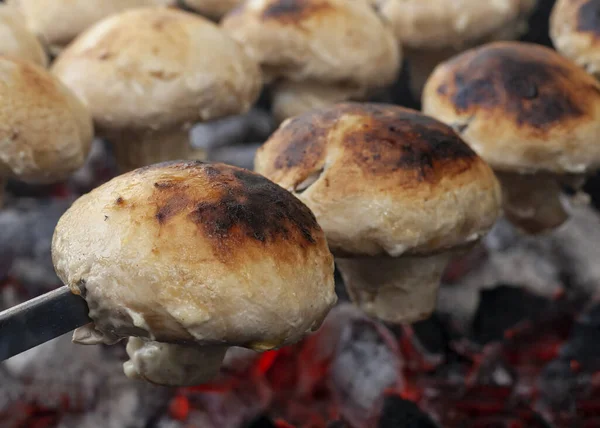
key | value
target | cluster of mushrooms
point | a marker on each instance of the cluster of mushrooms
(186, 258)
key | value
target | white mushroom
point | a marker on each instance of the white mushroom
(533, 115)
(575, 32)
(334, 50)
(58, 22)
(187, 259)
(148, 74)
(16, 40)
(45, 130)
(396, 192)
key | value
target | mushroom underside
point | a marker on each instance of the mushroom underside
(170, 364)
(136, 149)
(533, 202)
(397, 290)
(295, 98)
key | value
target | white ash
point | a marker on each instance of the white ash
(26, 229)
(367, 362)
(256, 125)
(540, 263)
(238, 155)
(91, 376)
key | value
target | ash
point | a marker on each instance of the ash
(563, 260)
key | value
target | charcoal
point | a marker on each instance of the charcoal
(26, 230)
(557, 385)
(433, 334)
(256, 125)
(583, 345)
(539, 24)
(338, 424)
(365, 365)
(564, 259)
(261, 422)
(502, 308)
(400, 413)
(241, 155)
(98, 168)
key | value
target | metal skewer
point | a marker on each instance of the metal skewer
(39, 320)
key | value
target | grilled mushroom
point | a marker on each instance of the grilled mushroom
(396, 192)
(187, 259)
(316, 46)
(533, 115)
(45, 130)
(148, 74)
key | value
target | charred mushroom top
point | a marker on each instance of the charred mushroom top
(17, 41)
(335, 41)
(45, 130)
(434, 24)
(575, 31)
(383, 179)
(154, 68)
(195, 253)
(522, 107)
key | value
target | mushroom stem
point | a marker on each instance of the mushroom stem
(295, 98)
(532, 201)
(172, 365)
(421, 63)
(135, 149)
(397, 290)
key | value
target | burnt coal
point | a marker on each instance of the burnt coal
(434, 334)
(583, 345)
(503, 308)
(400, 413)
(26, 230)
(241, 155)
(254, 126)
(261, 422)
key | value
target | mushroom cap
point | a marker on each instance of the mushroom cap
(215, 9)
(58, 22)
(324, 40)
(575, 32)
(188, 252)
(438, 23)
(154, 68)
(383, 179)
(522, 107)
(45, 130)
(17, 41)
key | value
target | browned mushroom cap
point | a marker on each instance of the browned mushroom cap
(522, 107)
(385, 182)
(16, 40)
(575, 32)
(433, 31)
(46, 131)
(58, 22)
(322, 42)
(198, 256)
(148, 74)
(525, 110)
(214, 9)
